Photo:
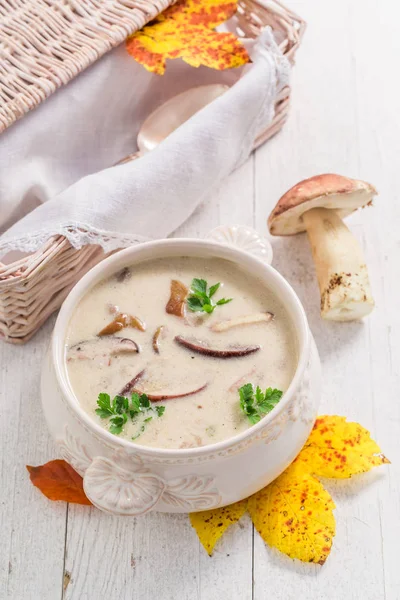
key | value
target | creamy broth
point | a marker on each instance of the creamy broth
(106, 364)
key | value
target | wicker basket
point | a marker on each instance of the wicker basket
(32, 288)
(44, 44)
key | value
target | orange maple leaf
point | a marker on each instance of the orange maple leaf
(57, 480)
(186, 30)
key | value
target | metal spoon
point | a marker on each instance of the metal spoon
(170, 115)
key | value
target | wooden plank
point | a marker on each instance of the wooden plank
(229, 572)
(323, 135)
(32, 528)
(377, 99)
(158, 555)
(153, 556)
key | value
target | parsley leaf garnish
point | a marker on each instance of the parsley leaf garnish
(134, 437)
(255, 403)
(104, 404)
(121, 409)
(117, 423)
(201, 300)
(160, 410)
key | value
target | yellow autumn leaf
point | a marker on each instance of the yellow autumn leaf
(338, 449)
(210, 13)
(294, 513)
(186, 30)
(210, 525)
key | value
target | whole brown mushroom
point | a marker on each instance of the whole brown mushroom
(317, 206)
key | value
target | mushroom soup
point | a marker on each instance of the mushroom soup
(162, 355)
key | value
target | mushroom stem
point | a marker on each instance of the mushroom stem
(341, 270)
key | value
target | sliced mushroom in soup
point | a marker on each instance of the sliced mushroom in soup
(167, 378)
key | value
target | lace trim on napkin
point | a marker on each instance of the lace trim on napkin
(78, 235)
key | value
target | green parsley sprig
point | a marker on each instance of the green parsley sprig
(200, 298)
(120, 409)
(143, 427)
(255, 404)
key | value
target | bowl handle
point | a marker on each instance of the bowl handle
(245, 238)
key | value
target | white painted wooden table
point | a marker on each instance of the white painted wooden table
(345, 119)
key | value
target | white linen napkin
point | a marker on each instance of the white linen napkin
(54, 162)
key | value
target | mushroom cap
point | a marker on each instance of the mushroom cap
(335, 192)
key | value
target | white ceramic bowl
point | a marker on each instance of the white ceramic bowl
(124, 478)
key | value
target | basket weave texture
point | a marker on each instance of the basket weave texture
(32, 288)
(45, 43)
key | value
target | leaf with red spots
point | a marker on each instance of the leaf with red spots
(186, 30)
(338, 449)
(57, 480)
(210, 525)
(294, 513)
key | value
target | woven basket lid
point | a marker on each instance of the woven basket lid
(45, 43)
